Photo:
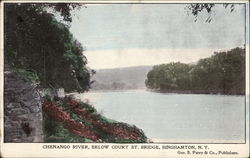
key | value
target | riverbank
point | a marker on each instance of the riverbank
(116, 90)
(164, 91)
(195, 92)
(69, 120)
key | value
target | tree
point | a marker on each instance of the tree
(35, 41)
(170, 76)
(223, 72)
(196, 8)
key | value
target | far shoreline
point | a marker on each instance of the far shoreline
(194, 92)
(116, 90)
(166, 91)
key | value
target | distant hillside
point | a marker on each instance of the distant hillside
(120, 78)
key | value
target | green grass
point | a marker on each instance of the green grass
(27, 75)
(55, 132)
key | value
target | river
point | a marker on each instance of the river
(175, 118)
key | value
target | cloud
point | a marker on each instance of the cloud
(113, 26)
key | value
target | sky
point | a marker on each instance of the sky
(125, 35)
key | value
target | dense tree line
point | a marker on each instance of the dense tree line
(37, 43)
(223, 72)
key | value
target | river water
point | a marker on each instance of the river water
(175, 118)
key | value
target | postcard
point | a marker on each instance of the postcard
(124, 79)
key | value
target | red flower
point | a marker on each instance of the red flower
(57, 113)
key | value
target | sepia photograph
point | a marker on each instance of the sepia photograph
(149, 77)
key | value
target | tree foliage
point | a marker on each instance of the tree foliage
(223, 72)
(35, 41)
(196, 8)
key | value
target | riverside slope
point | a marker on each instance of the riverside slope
(81, 122)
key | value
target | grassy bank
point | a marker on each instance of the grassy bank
(69, 120)
(195, 92)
